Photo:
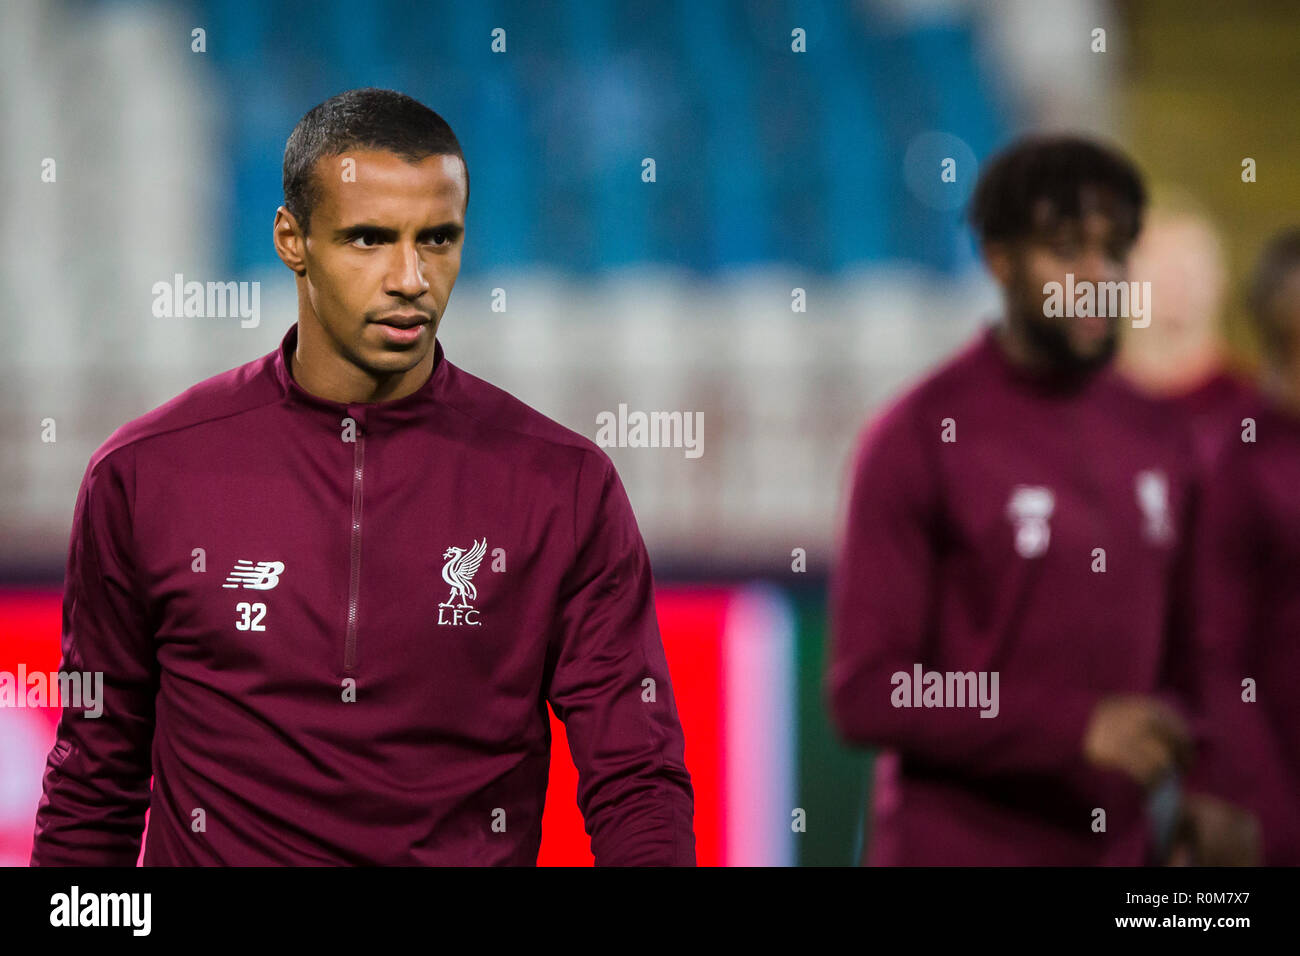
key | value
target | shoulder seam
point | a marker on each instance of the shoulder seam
(576, 443)
(179, 428)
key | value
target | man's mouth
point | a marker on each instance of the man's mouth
(1094, 326)
(405, 320)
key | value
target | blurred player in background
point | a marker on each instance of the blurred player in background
(1018, 523)
(1180, 355)
(1248, 576)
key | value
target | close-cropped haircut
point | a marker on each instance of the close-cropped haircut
(1279, 260)
(1053, 172)
(361, 119)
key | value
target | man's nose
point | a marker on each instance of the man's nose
(1097, 265)
(406, 275)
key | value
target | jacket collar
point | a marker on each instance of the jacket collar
(1046, 385)
(410, 408)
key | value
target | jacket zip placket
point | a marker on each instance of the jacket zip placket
(354, 582)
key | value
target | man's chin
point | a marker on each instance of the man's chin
(1066, 354)
(381, 362)
(1092, 356)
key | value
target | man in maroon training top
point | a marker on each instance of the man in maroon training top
(1006, 607)
(1178, 355)
(1247, 572)
(332, 591)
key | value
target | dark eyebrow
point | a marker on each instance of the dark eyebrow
(365, 229)
(452, 229)
(347, 233)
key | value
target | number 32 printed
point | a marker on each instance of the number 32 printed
(247, 622)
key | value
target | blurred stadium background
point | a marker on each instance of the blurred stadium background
(776, 171)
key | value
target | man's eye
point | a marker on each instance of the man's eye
(364, 240)
(440, 238)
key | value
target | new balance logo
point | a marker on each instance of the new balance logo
(262, 576)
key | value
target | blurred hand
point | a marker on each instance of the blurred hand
(1213, 832)
(1140, 736)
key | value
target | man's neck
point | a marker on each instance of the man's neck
(1017, 351)
(328, 375)
(1176, 378)
(1030, 365)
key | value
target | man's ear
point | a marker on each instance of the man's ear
(997, 256)
(289, 241)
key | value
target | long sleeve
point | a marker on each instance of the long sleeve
(883, 596)
(608, 681)
(1241, 760)
(1177, 685)
(96, 781)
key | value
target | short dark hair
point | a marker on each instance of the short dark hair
(361, 119)
(1279, 259)
(1056, 169)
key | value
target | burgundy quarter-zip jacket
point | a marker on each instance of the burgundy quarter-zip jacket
(999, 524)
(1247, 569)
(330, 632)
